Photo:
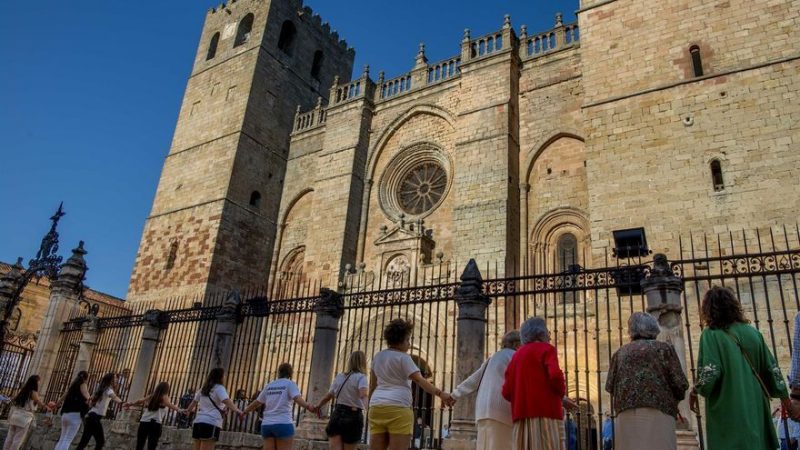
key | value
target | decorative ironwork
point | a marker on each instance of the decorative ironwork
(405, 296)
(422, 188)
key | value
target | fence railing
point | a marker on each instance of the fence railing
(586, 310)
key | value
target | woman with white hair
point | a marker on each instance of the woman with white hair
(646, 383)
(492, 411)
(535, 387)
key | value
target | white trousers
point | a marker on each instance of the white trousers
(15, 437)
(70, 424)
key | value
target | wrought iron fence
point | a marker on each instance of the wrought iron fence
(586, 307)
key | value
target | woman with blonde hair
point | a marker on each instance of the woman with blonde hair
(349, 392)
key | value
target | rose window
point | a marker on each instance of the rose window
(422, 188)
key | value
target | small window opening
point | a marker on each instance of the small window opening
(716, 175)
(172, 256)
(697, 62)
(255, 199)
(286, 39)
(243, 32)
(212, 47)
(316, 67)
(630, 243)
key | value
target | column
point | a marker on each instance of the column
(64, 294)
(227, 320)
(663, 291)
(328, 309)
(86, 346)
(154, 322)
(471, 342)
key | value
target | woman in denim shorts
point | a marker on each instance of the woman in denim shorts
(277, 426)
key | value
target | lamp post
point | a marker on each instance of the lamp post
(45, 264)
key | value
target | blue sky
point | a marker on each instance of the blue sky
(91, 91)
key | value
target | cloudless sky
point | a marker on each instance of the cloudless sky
(90, 92)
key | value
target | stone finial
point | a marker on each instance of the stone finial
(421, 61)
(319, 102)
(384, 229)
(365, 73)
(381, 77)
(74, 270)
(361, 267)
(402, 220)
(471, 273)
(523, 32)
(336, 81)
(440, 256)
(329, 303)
(507, 21)
(466, 35)
(10, 281)
(559, 19)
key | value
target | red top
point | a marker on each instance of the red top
(535, 383)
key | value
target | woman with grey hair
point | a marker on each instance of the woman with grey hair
(492, 411)
(646, 383)
(535, 387)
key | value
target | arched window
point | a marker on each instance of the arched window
(243, 32)
(255, 199)
(212, 47)
(567, 260)
(286, 39)
(697, 62)
(13, 321)
(316, 67)
(716, 175)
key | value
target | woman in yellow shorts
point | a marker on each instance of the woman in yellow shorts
(391, 419)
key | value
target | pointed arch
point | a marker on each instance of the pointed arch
(292, 203)
(541, 145)
(396, 124)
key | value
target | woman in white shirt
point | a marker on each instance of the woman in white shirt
(92, 425)
(211, 403)
(277, 426)
(350, 390)
(152, 419)
(21, 416)
(391, 419)
(492, 411)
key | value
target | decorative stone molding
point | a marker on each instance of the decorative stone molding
(415, 182)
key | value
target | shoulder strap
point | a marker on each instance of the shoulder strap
(749, 363)
(221, 412)
(485, 368)
(335, 402)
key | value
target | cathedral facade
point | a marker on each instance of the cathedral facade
(532, 150)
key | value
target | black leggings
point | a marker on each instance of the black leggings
(149, 432)
(92, 428)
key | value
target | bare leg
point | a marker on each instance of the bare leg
(379, 441)
(335, 443)
(269, 444)
(284, 444)
(399, 441)
(348, 446)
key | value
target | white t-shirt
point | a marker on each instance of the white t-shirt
(392, 369)
(349, 394)
(101, 406)
(157, 415)
(278, 397)
(206, 412)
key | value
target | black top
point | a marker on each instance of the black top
(75, 402)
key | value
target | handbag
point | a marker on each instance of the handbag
(20, 417)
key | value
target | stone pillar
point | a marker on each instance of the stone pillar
(663, 291)
(362, 238)
(64, 295)
(471, 342)
(328, 309)
(86, 346)
(154, 322)
(228, 319)
(419, 74)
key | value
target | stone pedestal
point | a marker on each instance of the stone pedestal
(86, 345)
(228, 319)
(154, 322)
(64, 295)
(471, 342)
(329, 309)
(663, 291)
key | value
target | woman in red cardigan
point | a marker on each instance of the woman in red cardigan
(535, 387)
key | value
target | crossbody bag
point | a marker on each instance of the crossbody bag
(764, 389)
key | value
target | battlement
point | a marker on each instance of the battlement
(304, 13)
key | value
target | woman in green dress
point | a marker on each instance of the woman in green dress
(737, 374)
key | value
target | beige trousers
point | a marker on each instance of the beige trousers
(634, 427)
(493, 435)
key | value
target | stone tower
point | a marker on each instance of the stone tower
(213, 220)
